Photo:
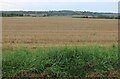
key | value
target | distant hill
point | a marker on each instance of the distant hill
(74, 14)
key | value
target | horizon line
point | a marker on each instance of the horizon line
(64, 10)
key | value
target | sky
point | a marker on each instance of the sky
(45, 5)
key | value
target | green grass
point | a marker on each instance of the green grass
(68, 61)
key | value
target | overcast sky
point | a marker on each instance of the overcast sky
(79, 5)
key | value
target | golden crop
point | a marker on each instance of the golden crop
(58, 30)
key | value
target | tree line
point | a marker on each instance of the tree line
(78, 14)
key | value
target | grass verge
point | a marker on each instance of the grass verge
(68, 61)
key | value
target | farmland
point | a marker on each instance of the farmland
(50, 31)
(58, 46)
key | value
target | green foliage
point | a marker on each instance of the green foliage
(61, 61)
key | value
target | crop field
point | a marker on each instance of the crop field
(51, 31)
(59, 46)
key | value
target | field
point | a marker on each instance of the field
(60, 47)
(50, 31)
